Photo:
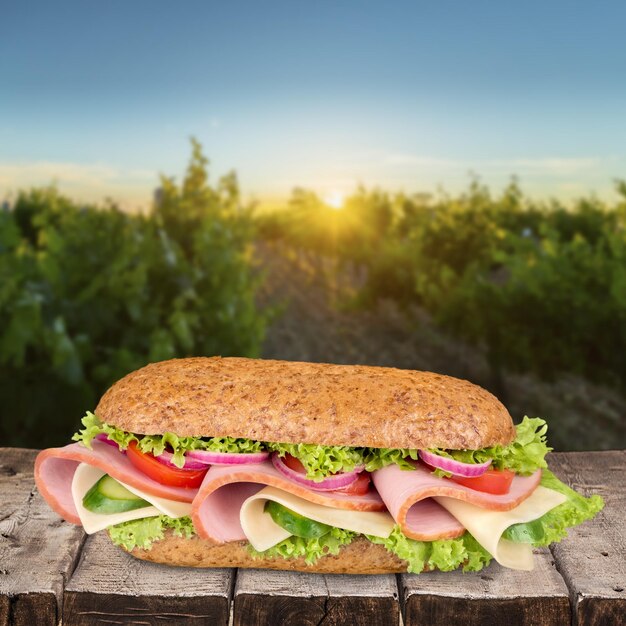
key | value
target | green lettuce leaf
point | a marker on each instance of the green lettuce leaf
(321, 461)
(142, 533)
(93, 426)
(311, 549)
(552, 527)
(443, 554)
(524, 455)
(380, 457)
(156, 444)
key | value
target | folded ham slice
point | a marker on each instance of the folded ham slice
(55, 467)
(215, 510)
(406, 493)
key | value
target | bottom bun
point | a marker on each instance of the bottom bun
(359, 557)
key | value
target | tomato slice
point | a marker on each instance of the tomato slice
(163, 474)
(493, 481)
(358, 488)
(293, 463)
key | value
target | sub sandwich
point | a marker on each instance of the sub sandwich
(233, 462)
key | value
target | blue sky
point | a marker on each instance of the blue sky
(101, 96)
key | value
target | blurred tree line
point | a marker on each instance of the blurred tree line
(88, 294)
(539, 286)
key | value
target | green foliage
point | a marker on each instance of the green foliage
(539, 286)
(89, 293)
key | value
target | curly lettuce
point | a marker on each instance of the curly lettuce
(524, 455)
(552, 527)
(442, 554)
(310, 549)
(321, 461)
(156, 444)
(380, 457)
(142, 533)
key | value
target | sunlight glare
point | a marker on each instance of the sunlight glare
(334, 200)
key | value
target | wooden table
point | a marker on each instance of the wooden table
(50, 570)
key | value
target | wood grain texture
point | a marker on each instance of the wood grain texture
(110, 586)
(285, 598)
(495, 595)
(38, 550)
(592, 560)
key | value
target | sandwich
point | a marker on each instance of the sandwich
(233, 462)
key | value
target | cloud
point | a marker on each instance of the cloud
(418, 160)
(550, 165)
(84, 181)
(558, 165)
(44, 172)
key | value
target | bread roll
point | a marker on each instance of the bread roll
(359, 557)
(292, 402)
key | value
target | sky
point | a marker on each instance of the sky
(101, 97)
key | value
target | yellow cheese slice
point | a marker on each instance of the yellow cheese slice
(487, 526)
(84, 479)
(263, 533)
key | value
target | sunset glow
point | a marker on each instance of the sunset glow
(334, 200)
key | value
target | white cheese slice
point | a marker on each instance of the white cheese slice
(171, 508)
(263, 533)
(84, 479)
(487, 526)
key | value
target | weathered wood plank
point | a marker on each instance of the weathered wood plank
(592, 559)
(110, 586)
(277, 598)
(495, 595)
(38, 550)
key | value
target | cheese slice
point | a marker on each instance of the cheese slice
(487, 526)
(84, 479)
(171, 508)
(263, 533)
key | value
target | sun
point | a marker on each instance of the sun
(334, 200)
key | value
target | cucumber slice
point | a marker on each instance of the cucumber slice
(108, 496)
(295, 523)
(110, 488)
(529, 532)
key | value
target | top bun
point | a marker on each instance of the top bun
(292, 402)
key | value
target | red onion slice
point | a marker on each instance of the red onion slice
(105, 439)
(337, 481)
(470, 470)
(190, 464)
(208, 457)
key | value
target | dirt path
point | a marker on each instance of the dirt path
(315, 326)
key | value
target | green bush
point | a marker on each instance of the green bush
(88, 294)
(540, 286)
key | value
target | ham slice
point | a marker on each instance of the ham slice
(405, 493)
(55, 467)
(215, 510)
